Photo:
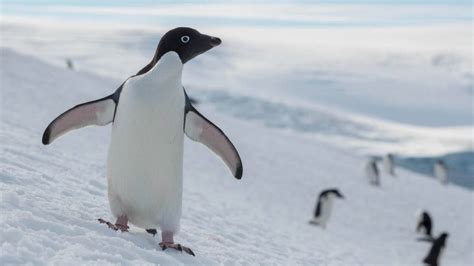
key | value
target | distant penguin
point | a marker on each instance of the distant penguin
(324, 205)
(435, 252)
(372, 172)
(151, 113)
(424, 224)
(70, 64)
(440, 171)
(389, 164)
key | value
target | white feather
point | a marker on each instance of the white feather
(441, 173)
(146, 151)
(326, 210)
(372, 173)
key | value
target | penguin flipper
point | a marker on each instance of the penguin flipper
(99, 112)
(317, 211)
(199, 128)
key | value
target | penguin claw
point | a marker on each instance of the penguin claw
(115, 227)
(109, 224)
(151, 231)
(122, 227)
(189, 251)
(179, 247)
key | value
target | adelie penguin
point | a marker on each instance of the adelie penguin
(389, 164)
(372, 172)
(424, 224)
(436, 250)
(151, 113)
(324, 206)
(440, 171)
(69, 64)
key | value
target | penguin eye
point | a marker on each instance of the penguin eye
(185, 39)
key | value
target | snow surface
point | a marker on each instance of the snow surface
(53, 195)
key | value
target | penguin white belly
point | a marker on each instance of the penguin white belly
(326, 208)
(146, 152)
(326, 211)
(441, 173)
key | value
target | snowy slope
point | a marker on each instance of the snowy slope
(406, 72)
(52, 196)
(247, 86)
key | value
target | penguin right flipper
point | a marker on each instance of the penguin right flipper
(199, 128)
(99, 112)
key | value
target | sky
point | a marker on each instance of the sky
(138, 2)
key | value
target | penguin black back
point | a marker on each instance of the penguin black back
(425, 223)
(438, 244)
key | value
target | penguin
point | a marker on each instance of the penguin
(372, 172)
(437, 247)
(440, 171)
(70, 64)
(424, 224)
(150, 114)
(389, 164)
(323, 208)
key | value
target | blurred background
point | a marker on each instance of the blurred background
(310, 92)
(375, 76)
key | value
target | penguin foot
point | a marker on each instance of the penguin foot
(179, 247)
(151, 231)
(115, 227)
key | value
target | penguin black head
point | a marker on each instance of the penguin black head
(186, 42)
(338, 194)
(443, 236)
(332, 191)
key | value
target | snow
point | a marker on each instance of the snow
(53, 195)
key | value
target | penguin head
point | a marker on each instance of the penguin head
(425, 215)
(338, 194)
(186, 42)
(332, 192)
(444, 236)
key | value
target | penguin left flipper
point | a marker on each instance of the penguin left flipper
(99, 112)
(199, 128)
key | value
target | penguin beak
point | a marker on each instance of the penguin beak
(214, 41)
